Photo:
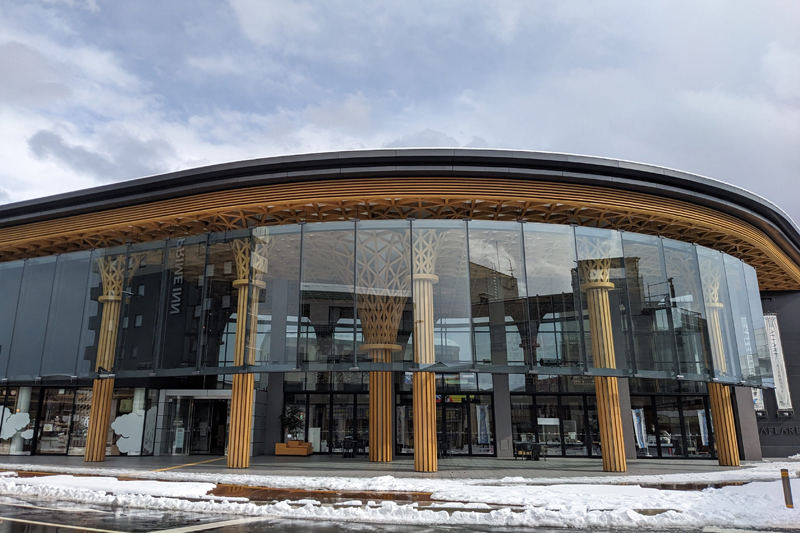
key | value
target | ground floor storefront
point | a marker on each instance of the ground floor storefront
(476, 415)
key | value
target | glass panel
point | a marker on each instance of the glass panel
(279, 300)
(176, 424)
(759, 327)
(688, 310)
(552, 295)
(65, 320)
(522, 426)
(343, 420)
(454, 424)
(221, 298)
(404, 431)
(695, 420)
(92, 310)
(362, 420)
(296, 401)
(595, 447)
(80, 422)
(649, 293)
(718, 313)
(29, 326)
(327, 308)
(451, 300)
(600, 262)
(482, 424)
(150, 419)
(10, 280)
(319, 434)
(549, 423)
(55, 421)
(670, 435)
(141, 306)
(744, 334)
(128, 421)
(574, 425)
(383, 293)
(19, 417)
(183, 297)
(499, 294)
(644, 426)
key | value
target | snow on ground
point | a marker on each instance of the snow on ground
(587, 505)
(115, 486)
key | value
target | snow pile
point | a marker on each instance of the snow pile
(756, 505)
(115, 486)
(795, 457)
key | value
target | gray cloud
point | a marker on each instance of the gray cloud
(429, 138)
(4, 197)
(28, 77)
(126, 156)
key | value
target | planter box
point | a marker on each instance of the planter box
(294, 447)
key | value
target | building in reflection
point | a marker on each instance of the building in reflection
(413, 302)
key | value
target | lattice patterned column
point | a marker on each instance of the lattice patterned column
(241, 418)
(112, 276)
(719, 394)
(427, 244)
(383, 287)
(596, 274)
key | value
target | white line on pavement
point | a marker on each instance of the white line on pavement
(59, 526)
(214, 525)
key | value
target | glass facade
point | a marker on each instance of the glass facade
(506, 297)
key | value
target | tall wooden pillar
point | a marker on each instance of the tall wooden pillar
(719, 394)
(112, 275)
(427, 244)
(380, 403)
(248, 286)
(596, 275)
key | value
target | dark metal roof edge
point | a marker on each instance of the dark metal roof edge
(415, 161)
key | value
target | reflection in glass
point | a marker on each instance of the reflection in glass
(319, 431)
(327, 308)
(743, 332)
(499, 294)
(601, 271)
(688, 310)
(279, 300)
(522, 418)
(31, 319)
(444, 245)
(10, 279)
(143, 299)
(718, 313)
(644, 426)
(453, 423)
(404, 432)
(221, 302)
(552, 296)
(482, 424)
(695, 416)
(183, 296)
(573, 421)
(759, 327)
(649, 292)
(80, 421)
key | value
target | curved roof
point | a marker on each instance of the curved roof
(29, 228)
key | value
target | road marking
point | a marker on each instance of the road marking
(60, 526)
(189, 464)
(214, 525)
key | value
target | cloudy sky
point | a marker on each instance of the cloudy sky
(95, 91)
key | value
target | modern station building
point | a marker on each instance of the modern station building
(421, 302)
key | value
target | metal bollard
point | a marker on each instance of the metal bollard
(787, 488)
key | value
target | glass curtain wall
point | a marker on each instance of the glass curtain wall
(506, 297)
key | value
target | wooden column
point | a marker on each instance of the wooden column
(427, 244)
(424, 383)
(112, 274)
(241, 418)
(595, 273)
(719, 394)
(380, 403)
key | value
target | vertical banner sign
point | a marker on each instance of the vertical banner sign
(701, 418)
(638, 428)
(778, 366)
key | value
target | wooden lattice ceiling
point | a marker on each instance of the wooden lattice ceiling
(400, 198)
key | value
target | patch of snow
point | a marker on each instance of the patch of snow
(115, 486)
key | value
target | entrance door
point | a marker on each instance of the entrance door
(208, 427)
(55, 421)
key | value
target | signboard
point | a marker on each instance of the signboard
(782, 395)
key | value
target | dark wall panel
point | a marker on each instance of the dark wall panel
(10, 278)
